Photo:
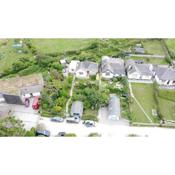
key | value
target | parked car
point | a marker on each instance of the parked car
(43, 132)
(89, 123)
(61, 134)
(57, 119)
(73, 120)
(27, 102)
(35, 104)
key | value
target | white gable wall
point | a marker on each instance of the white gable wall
(134, 75)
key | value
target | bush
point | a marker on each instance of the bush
(94, 134)
(70, 135)
(90, 117)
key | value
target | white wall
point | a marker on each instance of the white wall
(134, 75)
(107, 76)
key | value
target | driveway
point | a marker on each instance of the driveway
(27, 115)
(103, 118)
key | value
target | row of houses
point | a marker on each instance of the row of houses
(117, 67)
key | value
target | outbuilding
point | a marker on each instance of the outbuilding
(77, 109)
(114, 108)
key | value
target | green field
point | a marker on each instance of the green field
(153, 47)
(166, 100)
(60, 45)
(171, 44)
(144, 94)
(8, 55)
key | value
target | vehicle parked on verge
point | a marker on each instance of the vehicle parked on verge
(35, 104)
(57, 119)
(73, 120)
(89, 123)
(43, 133)
(27, 102)
(61, 134)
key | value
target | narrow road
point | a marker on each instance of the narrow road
(138, 103)
(70, 94)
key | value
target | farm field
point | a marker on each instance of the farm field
(59, 45)
(144, 94)
(8, 55)
(153, 47)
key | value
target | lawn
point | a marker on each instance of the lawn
(171, 44)
(153, 47)
(151, 60)
(167, 108)
(166, 99)
(8, 55)
(60, 45)
(144, 94)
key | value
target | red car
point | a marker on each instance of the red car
(35, 104)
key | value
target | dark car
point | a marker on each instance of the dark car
(61, 134)
(27, 102)
(43, 133)
(89, 123)
(57, 119)
(73, 120)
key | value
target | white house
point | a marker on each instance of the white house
(138, 71)
(73, 66)
(112, 67)
(86, 69)
(164, 75)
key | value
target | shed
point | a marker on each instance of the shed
(114, 108)
(77, 109)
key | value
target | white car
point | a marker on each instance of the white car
(73, 120)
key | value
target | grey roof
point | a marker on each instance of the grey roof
(164, 73)
(31, 89)
(77, 108)
(142, 69)
(90, 66)
(114, 106)
(114, 65)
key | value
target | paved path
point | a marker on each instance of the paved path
(70, 94)
(147, 56)
(138, 103)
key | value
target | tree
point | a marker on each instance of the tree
(11, 127)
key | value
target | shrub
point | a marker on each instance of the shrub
(94, 134)
(70, 135)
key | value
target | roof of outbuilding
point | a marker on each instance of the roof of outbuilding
(77, 107)
(114, 105)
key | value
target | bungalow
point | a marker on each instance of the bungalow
(73, 66)
(86, 69)
(138, 71)
(114, 108)
(77, 109)
(112, 67)
(164, 75)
